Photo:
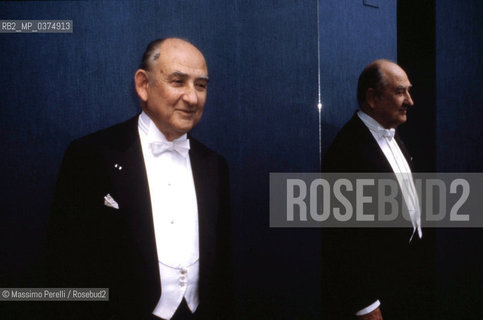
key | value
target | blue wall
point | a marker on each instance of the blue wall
(278, 132)
(351, 36)
(459, 83)
(459, 148)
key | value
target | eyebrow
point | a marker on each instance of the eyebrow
(184, 75)
(404, 87)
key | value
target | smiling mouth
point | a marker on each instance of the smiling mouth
(186, 114)
(186, 111)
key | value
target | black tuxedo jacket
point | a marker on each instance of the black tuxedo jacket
(93, 245)
(361, 265)
(355, 150)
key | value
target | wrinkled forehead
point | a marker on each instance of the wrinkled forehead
(182, 57)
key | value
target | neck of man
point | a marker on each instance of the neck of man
(169, 135)
(379, 120)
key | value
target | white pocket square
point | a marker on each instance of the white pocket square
(110, 202)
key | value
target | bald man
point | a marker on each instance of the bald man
(142, 208)
(377, 273)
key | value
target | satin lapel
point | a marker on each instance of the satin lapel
(206, 197)
(404, 150)
(133, 192)
(371, 149)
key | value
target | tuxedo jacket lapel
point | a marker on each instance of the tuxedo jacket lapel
(207, 213)
(372, 150)
(367, 155)
(405, 151)
(131, 188)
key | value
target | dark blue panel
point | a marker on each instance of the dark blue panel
(459, 83)
(459, 148)
(351, 36)
(416, 55)
(278, 97)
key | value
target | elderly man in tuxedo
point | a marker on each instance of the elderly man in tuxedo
(142, 208)
(374, 273)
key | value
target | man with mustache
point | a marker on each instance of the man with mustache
(376, 273)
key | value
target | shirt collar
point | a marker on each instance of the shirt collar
(369, 121)
(151, 131)
(375, 127)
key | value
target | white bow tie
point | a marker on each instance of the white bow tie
(386, 133)
(180, 146)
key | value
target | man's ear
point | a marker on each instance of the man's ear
(141, 82)
(371, 96)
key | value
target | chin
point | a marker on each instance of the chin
(184, 123)
(182, 129)
(400, 122)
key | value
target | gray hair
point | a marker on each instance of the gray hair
(151, 54)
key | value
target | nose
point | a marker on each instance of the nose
(409, 99)
(190, 96)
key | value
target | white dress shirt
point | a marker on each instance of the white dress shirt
(390, 148)
(175, 218)
(392, 152)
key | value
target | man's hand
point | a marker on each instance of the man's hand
(374, 315)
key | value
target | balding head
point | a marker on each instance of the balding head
(371, 77)
(154, 50)
(383, 93)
